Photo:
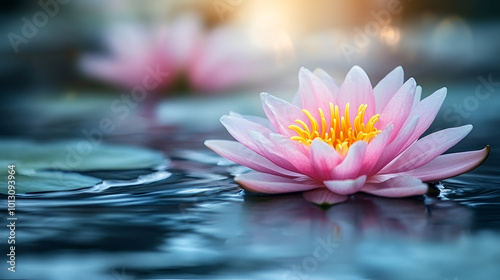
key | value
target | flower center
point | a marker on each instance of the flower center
(335, 130)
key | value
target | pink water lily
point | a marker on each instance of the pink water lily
(334, 141)
(212, 62)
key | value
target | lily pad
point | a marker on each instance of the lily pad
(28, 181)
(77, 155)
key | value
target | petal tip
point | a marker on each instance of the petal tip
(323, 197)
(467, 128)
(223, 118)
(357, 68)
(485, 157)
(412, 81)
(305, 73)
(356, 74)
(442, 91)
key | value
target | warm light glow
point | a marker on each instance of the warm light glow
(390, 35)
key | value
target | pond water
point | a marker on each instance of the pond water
(190, 220)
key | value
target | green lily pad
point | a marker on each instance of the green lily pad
(28, 181)
(78, 155)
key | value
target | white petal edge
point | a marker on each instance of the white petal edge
(427, 149)
(353, 162)
(324, 158)
(240, 154)
(449, 165)
(387, 87)
(323, 197)
(356, 90)
(272, 184)
(400, 186)
(345, 187)
(328, 81)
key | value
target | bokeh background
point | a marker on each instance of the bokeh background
(158, 75)
(64, 63)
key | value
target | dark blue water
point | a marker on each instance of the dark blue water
(190, 220)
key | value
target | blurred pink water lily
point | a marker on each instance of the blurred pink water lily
(212, 62)
(334, 141)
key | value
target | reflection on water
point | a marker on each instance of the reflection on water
(191, 220)
(195, 222)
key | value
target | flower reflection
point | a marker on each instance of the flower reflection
(317, 242)
(363, 215)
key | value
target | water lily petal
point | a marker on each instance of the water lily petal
(272, 151)
(449, 165)
(297, 154)
(284, 152)
(328, 81)
(387, 87)
(281, 113)
(323, 196)
(240, 154)
(393, 148)
(418, 96)
(400, 186)
(427, 110)
(375, 148)
(427, 149)
(324, 158)
(256, 119)
(356, 90)
(239, 128)
(399, 107)
(346, 187)
(313, 93)
(351, 165)
(266, 183)
(379, 178)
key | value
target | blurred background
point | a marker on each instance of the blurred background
(68, 63)
(159, 74)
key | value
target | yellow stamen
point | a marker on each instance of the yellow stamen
(339, 133)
